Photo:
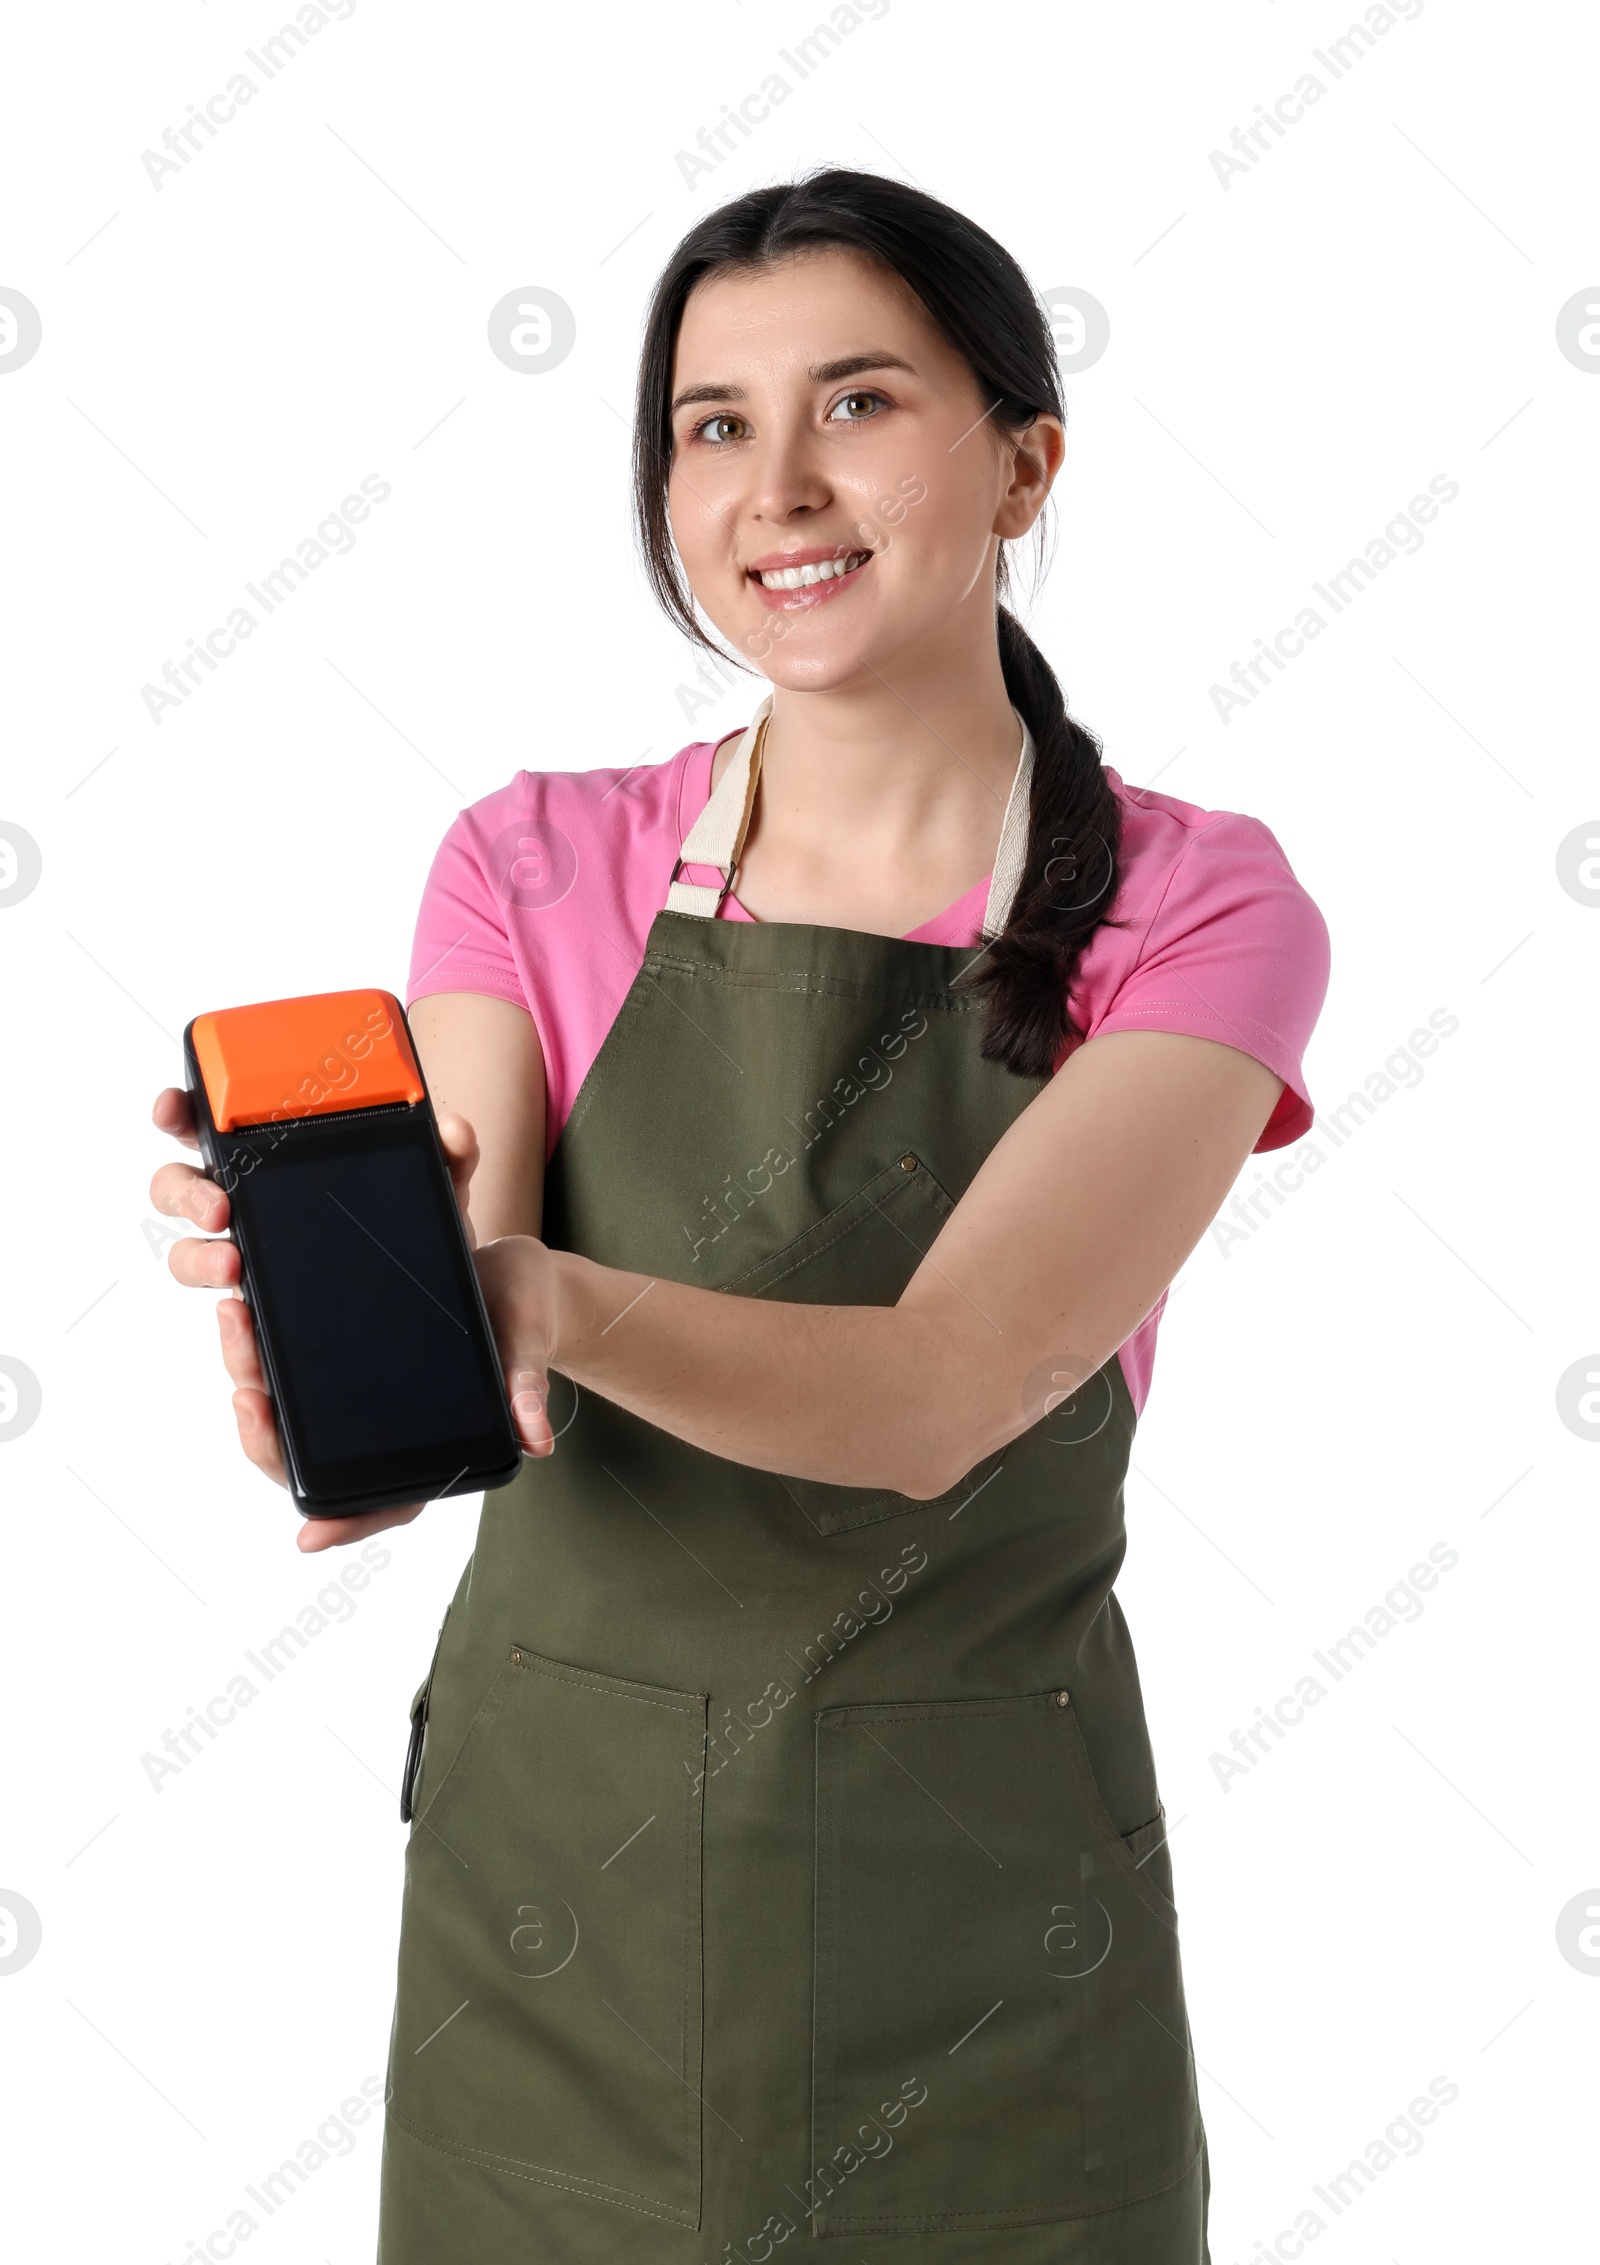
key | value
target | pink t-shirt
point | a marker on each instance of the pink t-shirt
(543, 893)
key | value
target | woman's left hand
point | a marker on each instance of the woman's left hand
(517, 1275)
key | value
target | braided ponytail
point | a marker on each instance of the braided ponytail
(1068, 880)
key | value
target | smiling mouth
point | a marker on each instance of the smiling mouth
(806, 577)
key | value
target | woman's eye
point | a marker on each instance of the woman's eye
(711, 429)
(855, 406)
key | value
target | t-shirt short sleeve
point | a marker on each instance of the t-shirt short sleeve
(461, 941)
(542, 894)
(1223, 944)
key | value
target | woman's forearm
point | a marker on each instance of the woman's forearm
(879, 1396)
(1062, 1244)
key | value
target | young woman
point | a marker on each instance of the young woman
(788, 1858)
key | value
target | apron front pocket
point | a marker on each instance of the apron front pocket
(548, 2021)
(1000, 2037)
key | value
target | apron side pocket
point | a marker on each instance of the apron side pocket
(419, 1728)
(1147, 1845)
(1141, 1854)
(413, 1761)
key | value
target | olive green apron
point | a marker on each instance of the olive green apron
(787, 1859)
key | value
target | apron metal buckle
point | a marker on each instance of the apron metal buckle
(725, 870)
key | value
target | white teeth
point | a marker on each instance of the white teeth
(800, 577)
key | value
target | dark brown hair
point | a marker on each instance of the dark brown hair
(978, 296)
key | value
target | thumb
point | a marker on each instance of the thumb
(460, 1145)
(513, 1272)
(530, 1406)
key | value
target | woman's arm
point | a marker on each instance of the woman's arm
(482, 1060)
(1077, 1221)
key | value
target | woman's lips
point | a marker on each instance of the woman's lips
(812, 595)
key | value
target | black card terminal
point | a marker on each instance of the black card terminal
(314, 1118)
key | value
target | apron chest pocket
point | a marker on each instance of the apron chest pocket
(1000, 2036)
(548, 2018)
(862, 1254)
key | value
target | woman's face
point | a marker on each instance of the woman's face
(819, 418)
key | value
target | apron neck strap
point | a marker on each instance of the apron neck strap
(1011, 853)
(717, 836)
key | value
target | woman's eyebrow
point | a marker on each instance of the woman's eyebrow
(820, 373)
(852, 365)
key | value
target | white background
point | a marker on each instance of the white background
(1372, 1371)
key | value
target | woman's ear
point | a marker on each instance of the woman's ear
(1036, 455)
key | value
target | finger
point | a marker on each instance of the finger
(200, 1264)
(174, 1113)
(460, 1145)
(338, 1533)
(530, 1406)
(181, 1192)
(258, 1434)
(241, 1356)
(511, 1271)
